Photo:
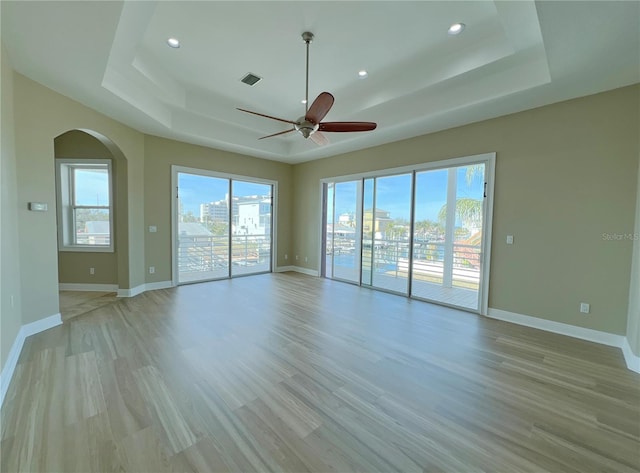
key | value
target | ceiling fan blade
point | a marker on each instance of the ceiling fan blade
(267, 116)
(319, 139)
(319, 108)
(347, 126)
(276, 134)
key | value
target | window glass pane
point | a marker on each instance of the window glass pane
(390, 215)
(203, 228)
(367, 232)
(91, 186)
(251, 227)
(346, 251)
(92, 227)
(329, 230)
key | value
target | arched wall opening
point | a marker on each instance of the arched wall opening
(110, 269)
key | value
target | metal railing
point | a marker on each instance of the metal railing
(99, 239)
(210, 253)
(456, 264)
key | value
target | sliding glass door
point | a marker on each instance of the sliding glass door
(448, 236)
(343, 228)
(387, 227)
(251, 222)
(222, 226)
(420, 233)
(203, 228)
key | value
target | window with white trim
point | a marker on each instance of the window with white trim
(85, 205)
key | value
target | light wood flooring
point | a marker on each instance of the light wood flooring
(285, 372)
(74, 303)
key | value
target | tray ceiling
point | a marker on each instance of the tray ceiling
(512, 56)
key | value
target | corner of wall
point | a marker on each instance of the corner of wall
(10, 287)
(633, 315)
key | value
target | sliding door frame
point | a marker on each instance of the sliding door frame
(489, 160)
(175, 170)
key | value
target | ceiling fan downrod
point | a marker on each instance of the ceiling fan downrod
(307, 37)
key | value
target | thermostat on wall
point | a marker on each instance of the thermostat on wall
(38, 206)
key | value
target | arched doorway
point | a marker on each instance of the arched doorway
(91, 210)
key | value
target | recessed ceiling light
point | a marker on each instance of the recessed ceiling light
(173, 43)
(456, 28)
(363, 74)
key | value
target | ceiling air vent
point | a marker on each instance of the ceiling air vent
(251, 79)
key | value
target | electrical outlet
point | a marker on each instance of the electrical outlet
(585, 308)
(509, 239)
(297, 257)
(153, 229)
(306, 260)
(152, 269)
(286, 257)
(92, 271)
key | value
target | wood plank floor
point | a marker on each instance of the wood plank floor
(75, 303)
(285, 372)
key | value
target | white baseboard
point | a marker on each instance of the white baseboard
(150, 286)
(132, 292)
(298, 269)
(283, 269)
(63, 286)
(604, 338)
(632, 360)
(12, 360)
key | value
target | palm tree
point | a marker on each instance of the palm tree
(424, 227)
(473, 171)
(468, 210)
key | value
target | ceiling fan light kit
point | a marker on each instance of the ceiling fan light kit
(310, 125)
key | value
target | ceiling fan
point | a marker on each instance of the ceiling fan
(310, 125)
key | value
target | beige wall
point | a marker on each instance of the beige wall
(73, 267)
(565, 175)
(10, 319)
(161, 154)
(40, 116)
(633, 318)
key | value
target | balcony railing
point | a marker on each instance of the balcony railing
(98, 239)
(210, 254)
(452, 265)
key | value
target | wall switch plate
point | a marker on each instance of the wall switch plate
(509, 239)
(92, 270)
(152, 269)
(286, 256)
(585, 308)
(38, 206)
(153, 229)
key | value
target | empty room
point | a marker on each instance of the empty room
(316, 236)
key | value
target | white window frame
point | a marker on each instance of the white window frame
(66, 208)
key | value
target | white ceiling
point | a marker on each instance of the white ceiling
(512, 56)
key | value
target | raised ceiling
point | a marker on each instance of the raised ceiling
(512, 56)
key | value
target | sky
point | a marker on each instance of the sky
(393, 193)
(92, 187)
(195, 190)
